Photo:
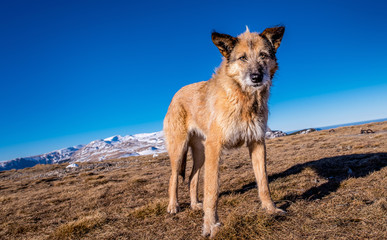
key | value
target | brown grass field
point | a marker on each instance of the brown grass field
(332, 183)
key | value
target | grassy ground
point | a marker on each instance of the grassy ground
(333, 184)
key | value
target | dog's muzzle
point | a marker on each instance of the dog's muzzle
(256, 78)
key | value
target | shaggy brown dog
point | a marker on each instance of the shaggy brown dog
(224, 112)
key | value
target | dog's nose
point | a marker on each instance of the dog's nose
(256, 78)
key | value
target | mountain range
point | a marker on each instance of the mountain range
(112, 147)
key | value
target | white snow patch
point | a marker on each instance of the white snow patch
(72, 165)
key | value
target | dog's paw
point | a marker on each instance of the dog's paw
(197, 206)
(210, 229)
(278, 211)
(173, 208)
(272, 209)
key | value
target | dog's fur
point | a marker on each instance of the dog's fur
(225, 112)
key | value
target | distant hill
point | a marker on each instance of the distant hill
(98, 150)
(57, 156)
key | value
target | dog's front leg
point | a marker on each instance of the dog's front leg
(258, 157)
(211, 187)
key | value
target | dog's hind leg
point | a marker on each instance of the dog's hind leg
(177, 154)
(197, 148)
(176, 137)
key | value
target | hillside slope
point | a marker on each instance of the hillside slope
(332, 183)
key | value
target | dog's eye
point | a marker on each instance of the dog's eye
(243, 58)
(263, 55)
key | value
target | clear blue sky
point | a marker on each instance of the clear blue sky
(75, 71)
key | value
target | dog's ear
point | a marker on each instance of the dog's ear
(224, 42)
(274, 35)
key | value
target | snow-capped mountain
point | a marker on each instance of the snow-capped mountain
(103, 149)
(57, 156)
(274, 133)
(121, 146)
(98, 150)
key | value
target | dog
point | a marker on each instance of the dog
(225, 112)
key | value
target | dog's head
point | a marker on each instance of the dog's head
(250, 57)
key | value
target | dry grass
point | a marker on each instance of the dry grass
(333, 184)
(77, 229)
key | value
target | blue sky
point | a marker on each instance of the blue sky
(75, 71)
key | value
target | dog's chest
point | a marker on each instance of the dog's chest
(244, 122)
(241, 131)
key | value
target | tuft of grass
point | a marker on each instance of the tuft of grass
(251, 225)
(150, 210)
(79, 228)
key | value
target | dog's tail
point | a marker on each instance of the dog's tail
(183, 165)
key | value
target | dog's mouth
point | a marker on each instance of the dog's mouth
(257, 84)
(254, 85)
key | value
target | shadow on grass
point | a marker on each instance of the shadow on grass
(334, 169)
